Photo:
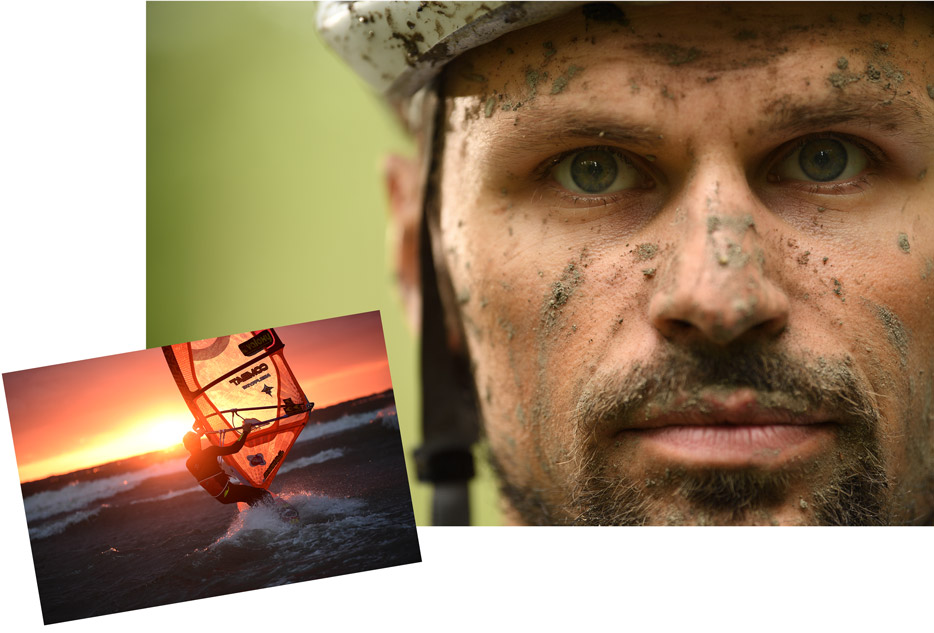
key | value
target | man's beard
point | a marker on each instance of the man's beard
(847, 488)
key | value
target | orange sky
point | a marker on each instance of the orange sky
(75, 415)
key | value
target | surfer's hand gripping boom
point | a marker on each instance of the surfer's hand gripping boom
(245, 425)
(253, 422)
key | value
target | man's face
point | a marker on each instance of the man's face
(693, 253)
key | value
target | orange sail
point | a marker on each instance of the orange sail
(229, 379)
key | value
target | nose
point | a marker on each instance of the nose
(716, 288)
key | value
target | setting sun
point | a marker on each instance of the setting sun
(153, 434)
(164, 432)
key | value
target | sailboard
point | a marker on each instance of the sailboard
(230, 379)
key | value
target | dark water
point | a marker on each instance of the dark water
(150, 535)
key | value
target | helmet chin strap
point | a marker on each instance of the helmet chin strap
(449, 416)
(449, 410)
(403, 65)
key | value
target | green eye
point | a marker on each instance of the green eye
(596, 171)
(822, 160)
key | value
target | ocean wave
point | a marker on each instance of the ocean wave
(342, 424)
(57, 527)
(317, 458)
(388, 418)
(168, 495)
(316, 508)
(313, 509)
(259, 517)
(79, 494)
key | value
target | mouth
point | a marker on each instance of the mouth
(731, 429)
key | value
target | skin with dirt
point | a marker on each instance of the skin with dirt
(716, 272)
(903, 243)
(894, 330)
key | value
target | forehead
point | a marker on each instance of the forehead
(715, 37)
(761, 65)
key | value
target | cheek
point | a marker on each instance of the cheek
(862, 286)
(495, 294)
(871, 299)
(542, 305)
(524, 297)
(885, 296)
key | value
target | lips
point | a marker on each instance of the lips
(738, 427)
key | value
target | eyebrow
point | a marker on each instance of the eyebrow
(613, 131)
(903, 117)
(550, 128)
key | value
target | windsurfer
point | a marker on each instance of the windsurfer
(203, 464)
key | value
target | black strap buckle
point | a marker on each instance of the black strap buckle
(443, 464)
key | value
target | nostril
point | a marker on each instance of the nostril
(676, 327)
(720, 327)
(679, 324)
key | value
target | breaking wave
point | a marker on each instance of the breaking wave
(79, 494)
(345, 423)
(317, 458)
(57, 527)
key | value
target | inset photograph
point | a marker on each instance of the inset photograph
(233, 463)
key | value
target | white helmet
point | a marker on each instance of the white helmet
(398, 47)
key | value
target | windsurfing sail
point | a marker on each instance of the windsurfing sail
(229, 379)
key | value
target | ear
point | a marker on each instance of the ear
(405, 188)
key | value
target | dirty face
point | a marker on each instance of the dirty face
(692, 249)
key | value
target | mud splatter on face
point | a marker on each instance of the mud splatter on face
(561, 290)
(894, 330)
(903, 243)
(838, 289)
(559, 84)
(738, 224)
(646, 251)
(532, 77)
(672, 54)
(728, 252)
(928, 268)
(840, 80)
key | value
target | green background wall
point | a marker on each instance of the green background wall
(264, 195)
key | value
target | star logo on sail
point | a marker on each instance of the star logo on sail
(257, 460)
(267, 390)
